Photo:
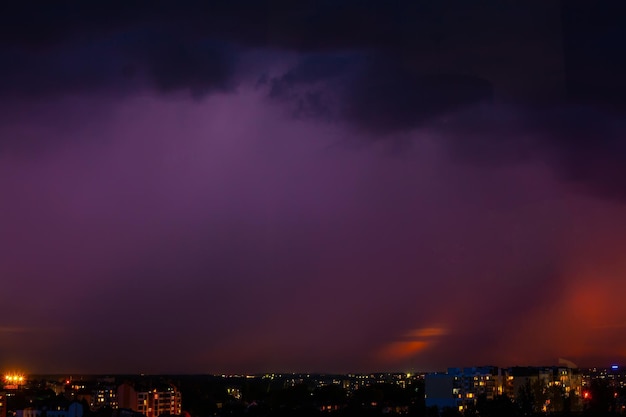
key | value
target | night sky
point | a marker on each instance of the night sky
(238, 186)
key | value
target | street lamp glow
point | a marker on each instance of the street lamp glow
(14, 378)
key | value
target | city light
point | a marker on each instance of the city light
(14, 378)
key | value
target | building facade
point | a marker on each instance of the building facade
(155, 403)
(150, 402)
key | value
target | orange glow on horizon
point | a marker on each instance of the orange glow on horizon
(427, 332)
(414, 342)
(402, 350)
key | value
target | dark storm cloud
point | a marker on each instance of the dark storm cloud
(388, 97)
(123, 61)
(74, 47)
(306, 25)
(375, 92)
(591, 150)
(584, 143)
(383, 68)
(69, 47)
(83, 41)
(201, 67)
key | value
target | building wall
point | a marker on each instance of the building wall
(440, 391)
(127, 397)
(75, 409)
(29, 412)
(3, 404)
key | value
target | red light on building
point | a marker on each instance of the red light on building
(586, 395)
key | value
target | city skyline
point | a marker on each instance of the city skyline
(483, 390)
(323, 187)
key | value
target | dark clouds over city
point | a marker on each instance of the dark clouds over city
(332, 186)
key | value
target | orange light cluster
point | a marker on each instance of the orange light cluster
(14, 378)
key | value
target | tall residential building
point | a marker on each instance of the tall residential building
(103, 396)
(150, 402)
(155, 403)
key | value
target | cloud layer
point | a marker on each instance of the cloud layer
(317, 187)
